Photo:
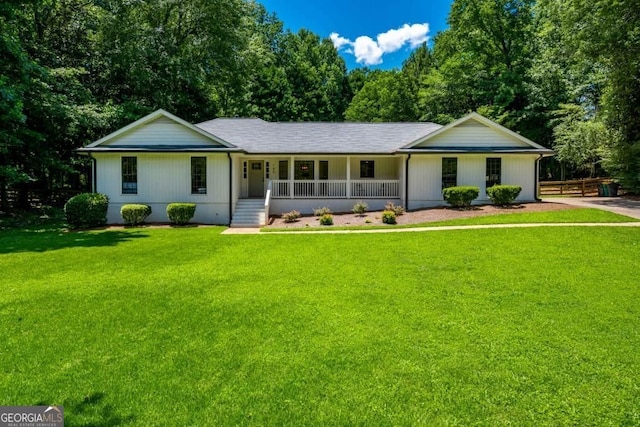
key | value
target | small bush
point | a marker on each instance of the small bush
(181, 213)
(291, 216)
(326, 219)
(322, 211)
(87, 210)
(460, 197)
(360, 208)
(397, 209)
(503, 195)
(135, 214)
(389, 217)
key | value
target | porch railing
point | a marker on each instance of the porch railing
(336, 189)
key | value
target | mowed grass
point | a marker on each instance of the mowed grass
(578, 215)
(190, 327)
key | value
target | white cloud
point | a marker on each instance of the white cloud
(369, 52)
(339, 42)
(393, 40)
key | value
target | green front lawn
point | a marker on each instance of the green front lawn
(190, 327)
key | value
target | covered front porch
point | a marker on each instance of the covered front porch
(305, 182)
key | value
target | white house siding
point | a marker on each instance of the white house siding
(425, 177)
(472, 134)
(164, 178)
(162, 131)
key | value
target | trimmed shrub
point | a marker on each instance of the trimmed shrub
(503, 195)
(389, 217)
(326, 219)
(87, 210)
(181, 213)
(360, 207)
(322, 211)
(460, 197)
(135, 214)
(397, 209)
(291, 216)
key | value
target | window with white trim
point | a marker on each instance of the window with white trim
(449, 172)
(367, 169)
(129, 172)
(494, 171)
(198, 175)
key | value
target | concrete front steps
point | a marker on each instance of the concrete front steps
(249, 213)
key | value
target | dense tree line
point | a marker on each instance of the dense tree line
(564, 73)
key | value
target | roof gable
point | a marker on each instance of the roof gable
(474, 132)
(161, 130)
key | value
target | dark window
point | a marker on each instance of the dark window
(129, 175)
(304, 170)
(494, 171)
(283, 169)
(323, 172)
(198, 175)
(449, 172)
(367, 169)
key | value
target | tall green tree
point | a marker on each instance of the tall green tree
(181, 55)
(385, 97)
(15, 70)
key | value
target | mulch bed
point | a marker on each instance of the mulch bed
(419, 216)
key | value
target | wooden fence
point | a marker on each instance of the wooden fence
(581, 187)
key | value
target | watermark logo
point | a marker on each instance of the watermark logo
(31, 416)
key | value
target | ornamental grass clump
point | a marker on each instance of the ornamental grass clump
(460, 197)
(292, 216)
(322, 211)
(360, 208)
(503, 195)
(397, 209)
(133, 214)
(87, 210)
(181, 213)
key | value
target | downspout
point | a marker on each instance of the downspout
(406, 181)
(230, 186)
(536, 177)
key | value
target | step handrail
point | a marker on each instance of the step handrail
(267, 202)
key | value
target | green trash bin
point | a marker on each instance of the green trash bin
(612, 189)
(603, 190)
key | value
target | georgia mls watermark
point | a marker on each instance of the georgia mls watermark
(31, 416)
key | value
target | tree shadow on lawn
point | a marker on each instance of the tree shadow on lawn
(50, 239)
(92, 410)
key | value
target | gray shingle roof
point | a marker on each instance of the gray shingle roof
(258, 136)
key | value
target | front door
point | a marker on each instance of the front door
(256, 178)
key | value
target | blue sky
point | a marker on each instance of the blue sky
(357, 24)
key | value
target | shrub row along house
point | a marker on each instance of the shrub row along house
(238, 171)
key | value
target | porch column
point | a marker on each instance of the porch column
(348, 177)
(403, 182)
(292, 170)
